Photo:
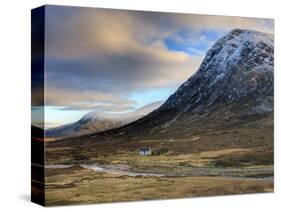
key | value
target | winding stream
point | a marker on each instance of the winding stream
(123, 169)
(119, 169)
(112, 169)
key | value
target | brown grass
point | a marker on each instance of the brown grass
(87, 186)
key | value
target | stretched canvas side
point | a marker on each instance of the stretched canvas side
(37, 109)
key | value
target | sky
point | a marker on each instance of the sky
(119, 60)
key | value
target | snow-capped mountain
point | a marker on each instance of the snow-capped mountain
(97, 121)
(233, 86)
(238, 65)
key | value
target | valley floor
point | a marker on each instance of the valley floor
(129, 176)
(222, 162)
(76, 185)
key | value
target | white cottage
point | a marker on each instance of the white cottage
(145, 151)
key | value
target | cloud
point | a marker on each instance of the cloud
(121, 73)
(226, 23)
(87, 100)
(97, 57)
(110, 51)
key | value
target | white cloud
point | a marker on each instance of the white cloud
(87, 100)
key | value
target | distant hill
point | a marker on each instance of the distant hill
(98, 121)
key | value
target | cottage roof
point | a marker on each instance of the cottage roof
(144, 149)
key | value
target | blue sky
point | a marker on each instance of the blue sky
(118, 60)
(146, 97)
(54, 116)
(184, 43)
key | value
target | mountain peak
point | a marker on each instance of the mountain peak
(95, 115)
(235, 66)
(232, 49)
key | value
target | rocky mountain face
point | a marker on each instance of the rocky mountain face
(238, 65)
(233, 88)
(97, 121)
